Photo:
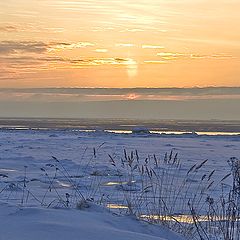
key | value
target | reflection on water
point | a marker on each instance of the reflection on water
(170, 132)
(119, 131)
(173, 218)
(184, 218)
(176, 218)
(63, 184)
(177, 132)
(218, 133)
(117, 183)
(7, 170)
(116, 206)
(113, 183)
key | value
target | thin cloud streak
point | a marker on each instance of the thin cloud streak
(114, 94)
(147, 46)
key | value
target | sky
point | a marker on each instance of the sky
(49, 45)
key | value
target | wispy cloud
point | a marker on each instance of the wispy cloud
(134, 30)
(180, 56)
(12, 47)
(8, 28)
(124, 45)
(155, 62)
(36, 63)
(148, 46)
(101, 50)
(62, 46)
(9, 47)
(29, 27)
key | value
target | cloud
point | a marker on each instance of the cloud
(124, 45)
(13, 47)
(41, 63)
(155, 62)
(70, 46)
(110, 94)
(30, 28)
(101, 50)
(134, 30)
(8, 28)
(28, 58)
(179, 56)
(34, 56)
(146, 46)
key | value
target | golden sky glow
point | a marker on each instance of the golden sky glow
(119, 43)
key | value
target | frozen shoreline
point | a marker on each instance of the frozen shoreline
(130, 133)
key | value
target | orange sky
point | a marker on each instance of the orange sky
(119, 43)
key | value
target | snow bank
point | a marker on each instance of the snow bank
(61, 224)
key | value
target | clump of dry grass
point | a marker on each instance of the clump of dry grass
(158, 190)
(223, 214)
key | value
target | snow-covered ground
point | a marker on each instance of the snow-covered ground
(44, 174)
(61, 224)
